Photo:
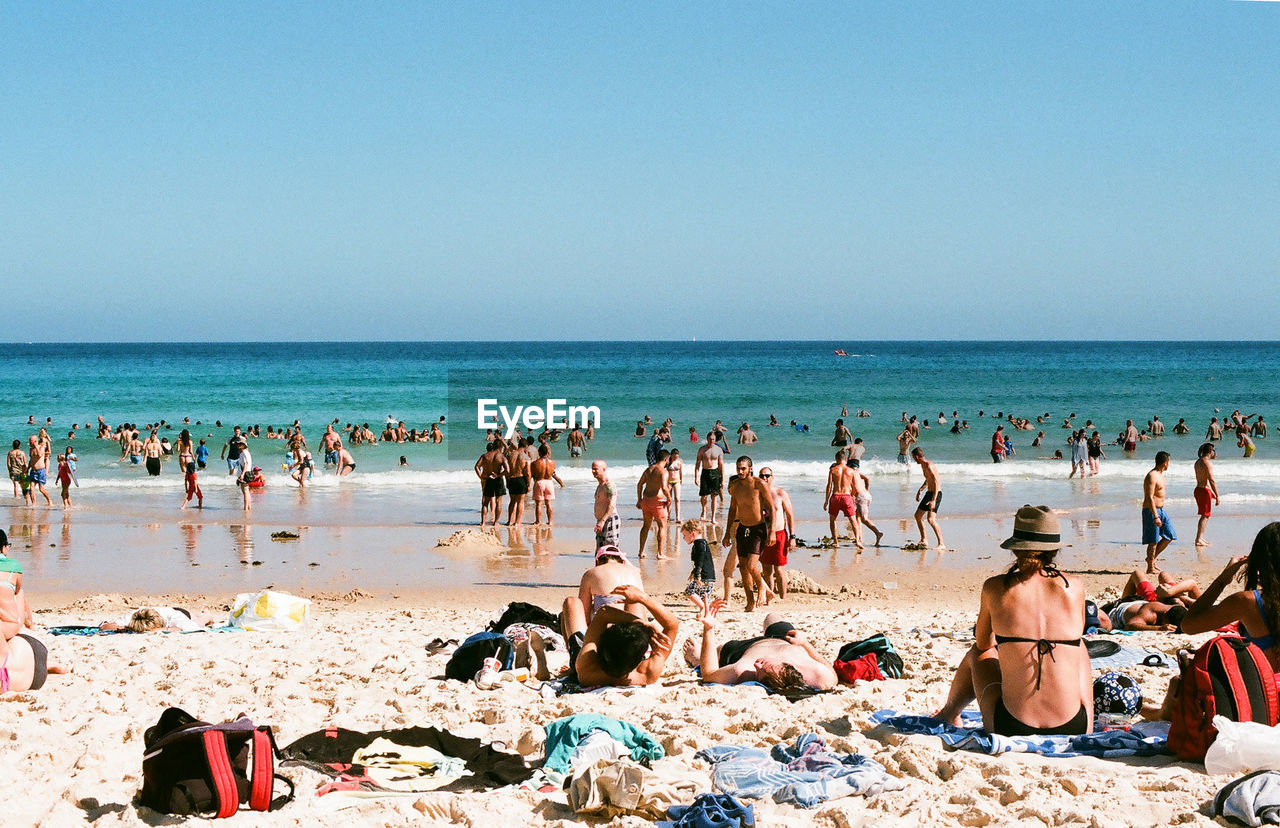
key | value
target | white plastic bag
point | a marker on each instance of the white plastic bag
(269, 611)
(1242, 747)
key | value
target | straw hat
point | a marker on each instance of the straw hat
(1035, 529)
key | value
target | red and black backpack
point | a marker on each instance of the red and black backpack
(194, 767)
(1229, 677)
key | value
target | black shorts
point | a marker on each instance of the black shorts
(518, 485)
(751, 539)
(153, 466)
(733, 651)
(931, 502)
(494, 487)
(711, 482)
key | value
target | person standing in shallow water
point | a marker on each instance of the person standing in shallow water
(930, 497)
(1157, 529)
(1206, 490)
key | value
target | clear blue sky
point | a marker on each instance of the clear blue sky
(521, 170)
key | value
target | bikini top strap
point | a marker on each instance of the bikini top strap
(1052, 571)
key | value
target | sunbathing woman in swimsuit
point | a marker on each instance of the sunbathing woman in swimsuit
(1028, 669)
(24, 660)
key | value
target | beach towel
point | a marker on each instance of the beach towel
(75, 629)
(332, 751)
(805, 774)
(1251, 800)
(1142, 739)
(1129, 656)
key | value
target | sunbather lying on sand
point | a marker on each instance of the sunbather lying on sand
(782, 659)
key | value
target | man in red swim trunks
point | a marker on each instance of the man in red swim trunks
(651, 500)
(780, 540)
(1206, 490)
(838, 498)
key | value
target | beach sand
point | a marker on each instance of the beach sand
(76, 745)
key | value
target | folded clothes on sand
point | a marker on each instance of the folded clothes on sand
(805, 774)
(1142, 739)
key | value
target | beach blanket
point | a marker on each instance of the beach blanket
(1130, 656)
(1142, 739)
(76, 629)
(805, 774)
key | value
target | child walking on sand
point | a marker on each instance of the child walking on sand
(702, 579)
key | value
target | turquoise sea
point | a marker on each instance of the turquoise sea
(694, 383)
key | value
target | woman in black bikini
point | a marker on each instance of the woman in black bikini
(1256, 607)
(1028, 669)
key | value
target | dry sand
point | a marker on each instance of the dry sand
(72, 751)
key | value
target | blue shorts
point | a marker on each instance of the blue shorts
(331, 458)
(1154, 534)
(39, 477)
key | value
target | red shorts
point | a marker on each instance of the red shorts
(654, 508)
(775, 554)
(840, 503)
(1204, 501)
(1146, 591)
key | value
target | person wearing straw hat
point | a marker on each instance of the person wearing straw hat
(1028, 669)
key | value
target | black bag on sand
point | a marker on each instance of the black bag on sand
(194, 767)
(888, 659)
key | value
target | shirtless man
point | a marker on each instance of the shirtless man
(1156, 427)
(651, 500)
(1130, 436)
(1157, 530)
(152, 450)
(16, 462)
(577, 442)
(616, 647)
(905, 439)
(134, 449)
(1214, 431)
(838, 498)
(1182, 427)
(746, 437)
(930, 496)
(709, 471)
(1260, 428)
(329, 444)
(842, 436)
(608, 523)
(748, 522)
(543, 471)
(38, 468)
(518, 478)
(855, 452)
(491, 468)
(773, 560)
(782, 659)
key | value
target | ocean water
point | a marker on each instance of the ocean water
(694, 383)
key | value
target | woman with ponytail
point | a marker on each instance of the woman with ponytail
(1256, 607)
(1028, 669)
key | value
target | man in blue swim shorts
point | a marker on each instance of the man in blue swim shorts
(1157, 530)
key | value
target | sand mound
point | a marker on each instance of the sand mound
(469, 537)
(802, 583)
